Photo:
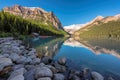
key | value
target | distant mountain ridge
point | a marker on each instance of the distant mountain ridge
(35, 13)
(101, 19)
(108, 27)
(72, 28)
(96, 21)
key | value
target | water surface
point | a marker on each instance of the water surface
(102, 55)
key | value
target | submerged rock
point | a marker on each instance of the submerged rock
(60, 68)
(74, 77)
(62, 61)
(110, 78)
(97, 76)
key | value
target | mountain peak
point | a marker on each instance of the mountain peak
(118, 15)
(99, 18)
(34, 13)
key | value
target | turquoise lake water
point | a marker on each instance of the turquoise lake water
(102, 55)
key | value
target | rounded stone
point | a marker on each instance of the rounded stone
(43, 72)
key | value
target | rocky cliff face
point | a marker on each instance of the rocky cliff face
(35, 13)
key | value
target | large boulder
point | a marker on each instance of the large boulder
(62, 61)
(17, 74)
(43, 72)
(59, 76)
(5, 62)
(97, 76)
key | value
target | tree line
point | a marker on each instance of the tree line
(11, 24)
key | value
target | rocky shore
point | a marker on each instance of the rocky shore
(18, 62)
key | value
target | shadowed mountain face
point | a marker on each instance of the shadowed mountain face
(35, 13)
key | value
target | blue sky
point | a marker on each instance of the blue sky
(71, 11)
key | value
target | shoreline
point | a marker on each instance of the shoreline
(18, 62)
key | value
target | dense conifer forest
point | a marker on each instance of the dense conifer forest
(11, 25)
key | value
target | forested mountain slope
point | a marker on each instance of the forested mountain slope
(11, 24)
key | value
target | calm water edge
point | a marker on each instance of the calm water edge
(101, 55)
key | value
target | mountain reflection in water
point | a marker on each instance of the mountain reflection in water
(47, 46)
(99, 46)
(102, 55)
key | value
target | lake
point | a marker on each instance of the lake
(101, 55)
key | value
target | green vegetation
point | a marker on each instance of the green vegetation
(11, 25)
(109, 30)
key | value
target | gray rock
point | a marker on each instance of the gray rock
(62, 61)
(29, 67)
(53, 69)
(30, 75)
(44, 78)
(18, 77)
(32, 56)
(19, 66)
(46, 60)
(21, 60)
(43, 72)
(32, 51)
(42, 64)
(36, 61)
(97, 76)
(85, 71)
(17, 74)
(59, 76)
(1, 56)
(60, 68)
(74, 77)
(28, 60)
(5, 62)
(110, 78)
(14, 56)
(6, 55)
